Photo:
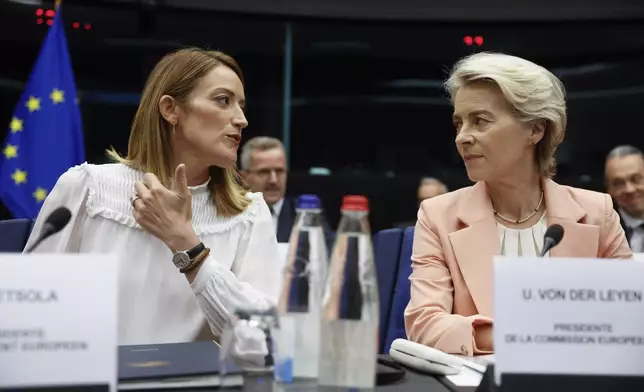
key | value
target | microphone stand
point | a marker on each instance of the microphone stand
(548, 244)
(47, 230)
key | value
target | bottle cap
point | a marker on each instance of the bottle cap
(308, 202)
(355, 203)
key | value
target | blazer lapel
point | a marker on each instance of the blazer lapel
(478, 242)
(580, 239)
(475, 246)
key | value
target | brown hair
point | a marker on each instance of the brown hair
(150, 144)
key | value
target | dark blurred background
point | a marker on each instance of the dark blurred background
(349, 85)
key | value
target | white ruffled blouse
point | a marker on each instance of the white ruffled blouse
(156, 303)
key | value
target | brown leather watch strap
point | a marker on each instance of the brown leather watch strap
(196, 261)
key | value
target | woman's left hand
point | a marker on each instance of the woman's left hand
(166, 213)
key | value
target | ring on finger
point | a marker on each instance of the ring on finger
(134, 198)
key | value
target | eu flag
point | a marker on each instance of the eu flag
(45, 136)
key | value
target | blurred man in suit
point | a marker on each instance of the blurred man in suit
(427, 188)
(263, 166)
(430, 187)
(624, 173)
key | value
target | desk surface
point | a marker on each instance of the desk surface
(412, 382)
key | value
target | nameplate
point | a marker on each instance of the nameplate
(568, 316)
(58, 322)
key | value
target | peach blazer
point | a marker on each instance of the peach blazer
(455, 240)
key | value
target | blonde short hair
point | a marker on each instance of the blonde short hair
(433, 181)
(258, 143)
(534, 93)
(150, 146)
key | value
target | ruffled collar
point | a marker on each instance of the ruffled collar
(200, 188)
(110, 187)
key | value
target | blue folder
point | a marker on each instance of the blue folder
(174, 365)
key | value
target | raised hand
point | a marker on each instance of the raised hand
(166, 213)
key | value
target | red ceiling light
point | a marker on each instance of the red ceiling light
(43, 15)
(470, 40)
(47, 16)
(86, 26)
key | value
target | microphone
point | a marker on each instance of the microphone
(552, 238)
(55, 222)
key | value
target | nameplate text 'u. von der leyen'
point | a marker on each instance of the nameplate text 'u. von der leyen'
(567, 316)
(58, 320)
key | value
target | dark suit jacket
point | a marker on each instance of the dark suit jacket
(286, 220)
(627, 230)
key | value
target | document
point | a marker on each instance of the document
(466, 378)
(471, 376)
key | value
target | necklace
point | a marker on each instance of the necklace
(519, 221)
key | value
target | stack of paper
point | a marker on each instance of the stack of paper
(471, 374)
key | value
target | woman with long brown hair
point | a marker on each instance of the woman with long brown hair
(173, 209)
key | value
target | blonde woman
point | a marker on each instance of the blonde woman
(509, 116)
(192, 244)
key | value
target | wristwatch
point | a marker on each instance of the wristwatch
(182, 259)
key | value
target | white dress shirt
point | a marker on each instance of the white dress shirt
(276, 208)
(524, 242)
(637, 238)
(156, 304)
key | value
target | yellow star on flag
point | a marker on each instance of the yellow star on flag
(33, 104)
(57, 96)
(40, 194)
(15, 125)
(11, 151)
(19, 176)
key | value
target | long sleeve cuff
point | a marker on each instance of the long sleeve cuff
(460, 336)
(207, 269)
(457, 337)
(219, 294)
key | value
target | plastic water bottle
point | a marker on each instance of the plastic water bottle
(299, 306)
(350, 314)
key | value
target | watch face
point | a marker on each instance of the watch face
(181, 260)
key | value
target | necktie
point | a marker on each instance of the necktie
(272, 210)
